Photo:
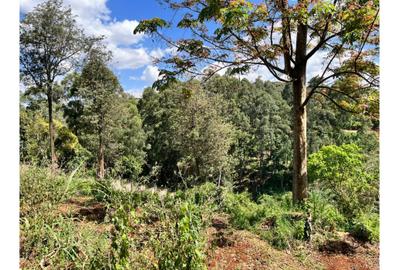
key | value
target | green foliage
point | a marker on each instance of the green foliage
(38, 188)
(272, 217)
(341, 171)
(107, 119)
(187, 135)
(33, 138)
(34, 131)
(262, 140)
(243, 211)
(59, 241)
(181, 246)
(42, 58)
(202, 137)
(325, 215)
(284, 233)
(123, 221)
(365, 227)
(149, 26)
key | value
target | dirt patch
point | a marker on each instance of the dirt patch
(337, 247)
(247, 252)
(342, 262)
(83, 208)
(96, 212)
(348, 253)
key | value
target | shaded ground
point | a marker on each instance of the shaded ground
(86, 212)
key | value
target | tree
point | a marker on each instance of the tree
(186, 134)
(283, 38)
(262, 141)
(129, 138)
(99, 91)
(50, 43)
(157, 110)
(202, 136)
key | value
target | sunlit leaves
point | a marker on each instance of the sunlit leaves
(150, 26)
(356, 19)
(323, 8)
(211, 10)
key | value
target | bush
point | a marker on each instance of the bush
(284, 233)
(272, 217)
(243, 212)
(181, 245)
(366, 227)
(128, 167)
(123, 220)
(325, 215)
(340, 170)
(61, 243)
(39, 188)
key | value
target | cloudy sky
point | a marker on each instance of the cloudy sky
(133, 55)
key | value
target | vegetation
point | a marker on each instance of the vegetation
(241, 35)
(167, 181)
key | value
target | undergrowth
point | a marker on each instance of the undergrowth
(143, 230)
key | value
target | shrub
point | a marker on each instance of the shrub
(123, 220)
(325, 215)
(243, 211)
(366, 227)
(128, 167)
(284, 232)
(61, 243)
(181, 245)
(39, 188)
(340, 170)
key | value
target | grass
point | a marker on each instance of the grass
(79, 223)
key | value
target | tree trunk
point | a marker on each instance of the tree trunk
(53, 155)
(100, 159)
(300, 142)
(300, 117)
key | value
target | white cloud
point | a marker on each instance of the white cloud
(258, 72)
(135, 92)
(150, 74)
(121, 32)
(28, 5)
(129, 58)
(94, 17)
(157, 53)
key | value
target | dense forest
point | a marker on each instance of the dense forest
(201, 167)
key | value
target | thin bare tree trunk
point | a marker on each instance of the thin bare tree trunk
(53, 155)
(100, 159)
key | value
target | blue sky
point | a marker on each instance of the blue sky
(134, 55)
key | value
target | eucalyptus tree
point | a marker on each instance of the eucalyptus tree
(283, 38)
(50, 46)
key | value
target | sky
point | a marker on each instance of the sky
(134, 55)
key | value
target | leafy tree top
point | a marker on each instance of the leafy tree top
(240, 34)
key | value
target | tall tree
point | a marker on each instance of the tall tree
(202, 136)
(99, 91)
(282, 37)
(50, 43)
(186, 133)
